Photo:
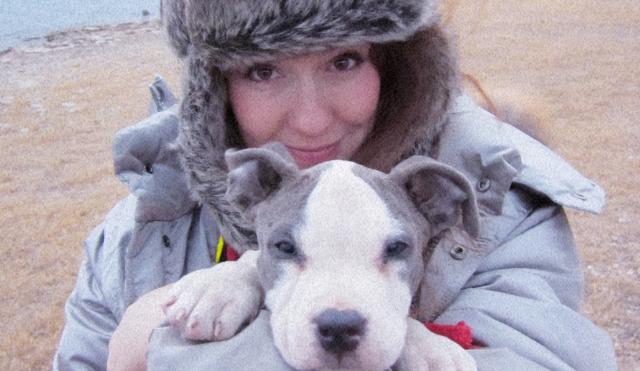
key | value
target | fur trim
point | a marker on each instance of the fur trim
(213, 35)
(203, 139)
(245, 31)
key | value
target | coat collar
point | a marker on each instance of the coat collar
(495, 155)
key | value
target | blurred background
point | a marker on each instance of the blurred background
(74, 72)
(32, 20)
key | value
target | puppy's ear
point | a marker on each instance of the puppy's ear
(255, 174)
(441, 193)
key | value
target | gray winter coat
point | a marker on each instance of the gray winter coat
(518, 287)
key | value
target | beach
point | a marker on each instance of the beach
(31, 20)
(572, 65)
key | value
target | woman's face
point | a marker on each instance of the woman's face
(321, 106)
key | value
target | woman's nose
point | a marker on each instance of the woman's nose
(310, 110)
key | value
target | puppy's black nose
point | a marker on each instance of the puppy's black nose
(339, 331)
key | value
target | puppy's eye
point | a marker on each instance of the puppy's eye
(396, 250)
(285, 249)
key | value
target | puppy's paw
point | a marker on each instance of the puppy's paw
(427, 351)
(214, 303)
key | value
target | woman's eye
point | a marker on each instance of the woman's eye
(347, 61)
(262, 73)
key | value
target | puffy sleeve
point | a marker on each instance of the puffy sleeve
(522, 302)
(88, 325)
(521, 286)
(252, 349)
(90, 314)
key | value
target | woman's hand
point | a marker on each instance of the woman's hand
(215, 303)
(128, 345)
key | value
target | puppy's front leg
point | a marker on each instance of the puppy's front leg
(214, 303)
(426, 351)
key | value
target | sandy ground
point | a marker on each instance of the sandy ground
(573, 64)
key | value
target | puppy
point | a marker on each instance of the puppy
(340, 259)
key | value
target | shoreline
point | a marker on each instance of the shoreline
(80, 36)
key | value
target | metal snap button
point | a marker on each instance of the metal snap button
(483, 185)
(458, 252)
(148, 168)
(166, 241)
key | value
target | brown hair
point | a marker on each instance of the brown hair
(416, 77)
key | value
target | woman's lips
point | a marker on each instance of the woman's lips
(309, 157)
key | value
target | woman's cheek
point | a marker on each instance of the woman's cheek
(257, 112)
(359, 97)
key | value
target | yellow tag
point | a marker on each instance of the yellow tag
(219, 249)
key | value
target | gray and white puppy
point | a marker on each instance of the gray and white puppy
(340, 259)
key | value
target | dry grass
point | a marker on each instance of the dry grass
(58, 112)
(573, 63)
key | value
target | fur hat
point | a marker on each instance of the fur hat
(212, 36)
(227, 32)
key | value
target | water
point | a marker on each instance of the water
(26, 19)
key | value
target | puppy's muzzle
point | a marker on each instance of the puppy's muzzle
(340, 331)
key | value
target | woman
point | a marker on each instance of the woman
(371, 81)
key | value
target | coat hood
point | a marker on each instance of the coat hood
(213, 36)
